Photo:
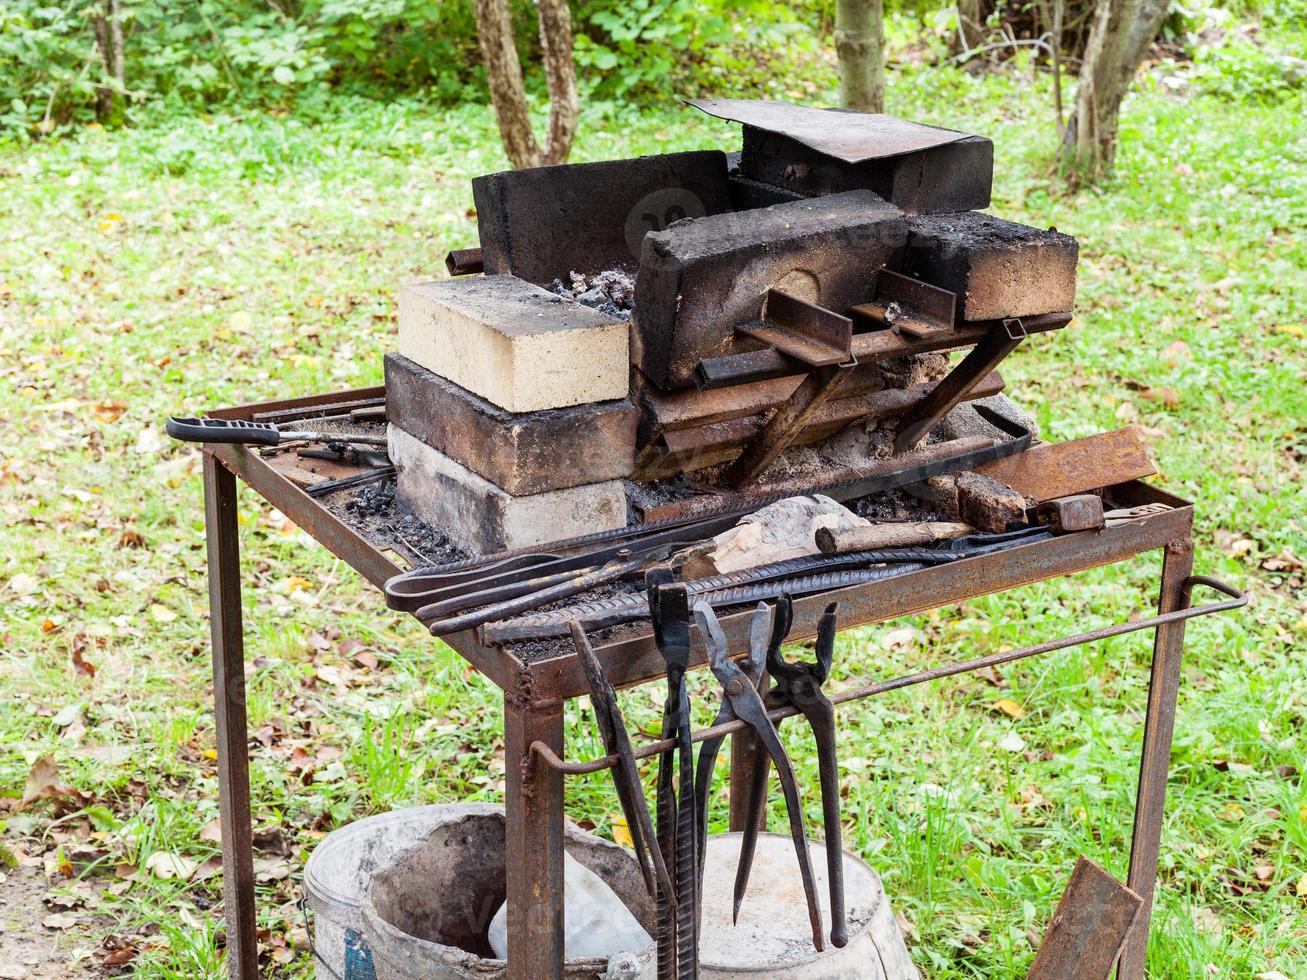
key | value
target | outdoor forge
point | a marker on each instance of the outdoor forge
(656, 491)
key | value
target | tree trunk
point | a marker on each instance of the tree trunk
(1119, 37)
(860, 46)
(971, 21)
(508, 93)
(109, 39)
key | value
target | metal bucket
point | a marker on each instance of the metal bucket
(340, 869)
(426, 915)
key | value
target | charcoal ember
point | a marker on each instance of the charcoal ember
(374, 498)
(611, 292)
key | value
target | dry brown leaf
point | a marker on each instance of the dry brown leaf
(211, 832)
(59, 920)
(42, 782)
(166, 865)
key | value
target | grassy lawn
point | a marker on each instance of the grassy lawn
(193, 263)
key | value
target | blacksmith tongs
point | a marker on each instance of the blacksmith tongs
(798, 685)
(746, 704)
(626, 776)
(678, 941)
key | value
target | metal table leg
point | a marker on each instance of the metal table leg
(1155, 758)
(533, 844)
(229, 714)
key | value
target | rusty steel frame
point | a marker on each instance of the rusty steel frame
(535, 693)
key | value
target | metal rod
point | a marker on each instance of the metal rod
(1155, 753)
(232, 733)
(1237, 600)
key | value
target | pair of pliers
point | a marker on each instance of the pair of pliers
(798, 685)
(678, 940)
(741, 700)
(626, 776)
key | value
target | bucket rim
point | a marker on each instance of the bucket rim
(316, 888)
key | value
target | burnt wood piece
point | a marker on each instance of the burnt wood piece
(988, 505)
(685, 450)
(1091, 924)
(876, 345)
(997, 268)
(997, 344)
(543, 223)
(955, 176)
(521, 452)
(700, 279)
(1048, 471)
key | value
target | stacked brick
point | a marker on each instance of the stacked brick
(509, 418)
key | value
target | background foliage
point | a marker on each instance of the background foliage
(294, 54)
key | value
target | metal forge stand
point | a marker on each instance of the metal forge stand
(535, 694)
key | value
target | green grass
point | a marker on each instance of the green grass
(200, 262)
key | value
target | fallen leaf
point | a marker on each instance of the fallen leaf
(67, 715)
(208, 869)
(166, 865)
(1300, 889)
(59, 920)
(161, 613)
(23, 584)
(120, 957)
(42, 782)
(211, 832)
(622, 832)
(81, 666)
(1010, 708)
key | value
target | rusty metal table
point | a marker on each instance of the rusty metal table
(534, 694)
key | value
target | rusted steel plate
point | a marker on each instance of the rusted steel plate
(849, 136)
(1090, 926)
(1048, 471)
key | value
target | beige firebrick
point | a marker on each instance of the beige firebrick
(513, 343)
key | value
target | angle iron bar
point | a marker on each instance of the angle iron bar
(1238, 599)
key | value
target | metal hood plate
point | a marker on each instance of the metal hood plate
(846, 135)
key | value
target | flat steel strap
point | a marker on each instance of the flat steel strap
(849, 136)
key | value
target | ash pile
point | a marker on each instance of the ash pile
(652, 332)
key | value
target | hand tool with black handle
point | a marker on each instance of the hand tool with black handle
(798, 684)
(748, 706)
(626, 777)
(669, 605)
(240, 432)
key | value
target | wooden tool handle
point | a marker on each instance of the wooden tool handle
(841, 541)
